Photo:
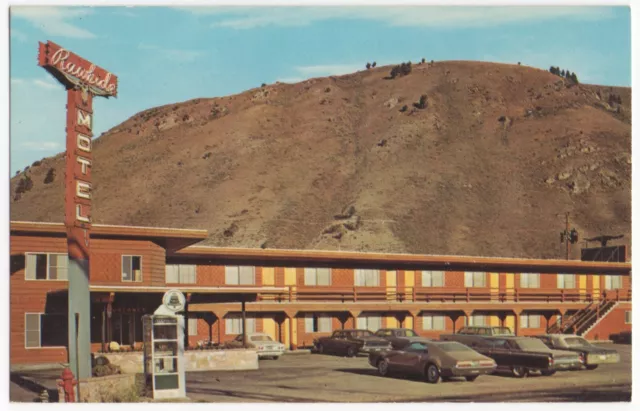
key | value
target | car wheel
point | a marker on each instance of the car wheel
(471, 378)
(351, 352)
(433, 374)
(591, 367)
(547, 373)
(519, 372)
(320, 349)
(383, 367)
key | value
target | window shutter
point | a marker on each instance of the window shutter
(523, 280)
(310, 276)
(427, 322)
(231, 276)
(323, 276)
(228, 326)
(607, 282)
(358, 277)
(32, 330)
(478, 279)
(308, 323)
(572, 281)
(535, 283)
(374, 278)
(535, 321)
(246, 275)
(560, 281)
(438, 280)
(524, 321)
(171, 273)
(30, 266)
(63, 267)
(325, 324)
(361, 322)
(427, 278)
(193, 326)
(126, 268)
(468, 279)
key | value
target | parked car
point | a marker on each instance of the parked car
(519, 355)
(433, 360)
(400, 337)
(591, 355)
(351, 342)
(264, 344)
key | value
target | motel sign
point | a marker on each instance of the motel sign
(82, 80)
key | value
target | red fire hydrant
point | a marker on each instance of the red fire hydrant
(68, 383)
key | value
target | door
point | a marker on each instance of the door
(582, 281)
(510, 285)
(596, 287)
(494, 283)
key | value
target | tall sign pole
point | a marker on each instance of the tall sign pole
(82, 80)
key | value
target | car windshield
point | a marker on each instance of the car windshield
(453, 346)
(361, 333)
(261, 338)
(532, 344)
(407, 333)
(577, 342)
(501, 331)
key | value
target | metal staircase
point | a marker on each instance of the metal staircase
(584, 319)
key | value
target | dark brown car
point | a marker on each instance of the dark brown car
(433, 360)
(351, 342)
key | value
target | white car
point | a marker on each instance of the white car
(264, 344)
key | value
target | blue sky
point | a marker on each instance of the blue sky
(164, 55)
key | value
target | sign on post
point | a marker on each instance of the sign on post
(82, 80)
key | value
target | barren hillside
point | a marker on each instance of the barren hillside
(336, 163)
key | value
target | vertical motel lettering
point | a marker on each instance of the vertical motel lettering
(83, 147)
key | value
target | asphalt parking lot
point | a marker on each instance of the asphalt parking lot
(326, 378)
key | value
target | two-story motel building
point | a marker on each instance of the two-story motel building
(293, 295)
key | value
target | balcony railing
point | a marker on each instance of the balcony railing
(439, 295)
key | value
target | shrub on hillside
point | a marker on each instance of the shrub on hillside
(401, 70)
(422, 104)
(368, 65)
(373, 64)
(51, 175)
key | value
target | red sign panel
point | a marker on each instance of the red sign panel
(72, 70)
(82, 80)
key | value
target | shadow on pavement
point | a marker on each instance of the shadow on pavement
(33, 386)
(610, 393)
(248, 395)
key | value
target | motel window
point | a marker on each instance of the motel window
(528, 280)
(180, 274)
(474, 320)
(612, 282)
(475, 279)
(240, 275)
(433, 278)
(317, 323)
(369, 322)
(132, 268)
(317, 276)
(47, 266)
(432, 322)
(566, 281)
(45, 330)
(367, 278)
(529, 321)
(627, 317)
(233, 325)
(193, 326)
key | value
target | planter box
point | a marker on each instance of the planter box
(101, 389)
(196, 360)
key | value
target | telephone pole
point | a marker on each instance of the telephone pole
(568, 236)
